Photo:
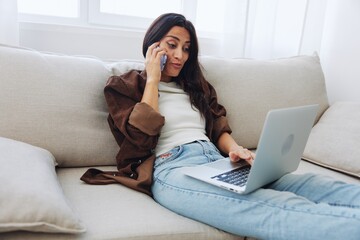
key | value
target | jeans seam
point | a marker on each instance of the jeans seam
(207, 151)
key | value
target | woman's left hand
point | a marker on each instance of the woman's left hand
(241, 153)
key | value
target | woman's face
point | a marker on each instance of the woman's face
(177, 44)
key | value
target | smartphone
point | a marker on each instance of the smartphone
(163, 62)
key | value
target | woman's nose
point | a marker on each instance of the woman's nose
(178, 53)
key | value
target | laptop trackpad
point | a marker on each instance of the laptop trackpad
(226, 164)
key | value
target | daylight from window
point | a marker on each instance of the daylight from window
(207, 15)
(58, 8)
(148, 9)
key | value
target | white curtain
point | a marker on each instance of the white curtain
(266, 29)
(9, 27)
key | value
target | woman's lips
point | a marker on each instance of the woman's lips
(177, 65)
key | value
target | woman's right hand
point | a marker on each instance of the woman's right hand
(153, 75)
(152, 62)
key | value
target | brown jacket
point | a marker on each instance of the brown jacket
(136, 127)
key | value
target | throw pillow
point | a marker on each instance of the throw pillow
(334, 140)
(31, 197)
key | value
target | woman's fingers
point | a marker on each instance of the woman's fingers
(242, 154)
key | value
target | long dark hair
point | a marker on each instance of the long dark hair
(190, 78)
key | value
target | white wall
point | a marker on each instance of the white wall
(108, 44)
(340, 52)
(103, 43)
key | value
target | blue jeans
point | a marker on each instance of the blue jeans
(294, 207)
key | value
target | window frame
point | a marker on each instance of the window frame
(132, 22)
(115, 20)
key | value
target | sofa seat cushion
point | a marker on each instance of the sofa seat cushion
(309, 167)
(31, 197)
(116, 212)
(120, 217)
(334, 140)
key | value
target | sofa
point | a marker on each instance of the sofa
(53, 127)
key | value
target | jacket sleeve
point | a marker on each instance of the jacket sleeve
(220, 123)
(138, 122)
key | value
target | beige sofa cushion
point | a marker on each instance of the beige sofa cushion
(31, 197)
(334, 140)
(117, 212)
(250, 88)
(134, 215)
(56, 102)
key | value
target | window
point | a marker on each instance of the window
(57, 8)
(148, 9)
(207, 15)
(230, 28)
(136, 14)
(69, 12)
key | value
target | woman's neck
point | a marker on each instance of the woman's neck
(166, 78)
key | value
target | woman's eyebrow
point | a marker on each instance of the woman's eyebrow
(175, 37)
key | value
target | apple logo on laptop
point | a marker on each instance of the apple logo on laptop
(287, 144)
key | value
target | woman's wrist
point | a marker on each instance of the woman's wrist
(152, 81)
(151, 94)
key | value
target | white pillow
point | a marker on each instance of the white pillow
(31, 197)
(335, 140)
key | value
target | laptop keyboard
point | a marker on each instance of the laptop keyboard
(237, 176)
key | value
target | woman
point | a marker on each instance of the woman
(166, 120)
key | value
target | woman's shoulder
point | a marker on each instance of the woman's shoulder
(131, 78)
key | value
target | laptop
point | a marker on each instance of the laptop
(280, 148)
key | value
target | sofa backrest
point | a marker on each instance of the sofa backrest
(249, 88)
(56, 101)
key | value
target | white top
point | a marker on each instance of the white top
(183, 123)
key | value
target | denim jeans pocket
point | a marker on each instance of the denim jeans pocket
(168, 156)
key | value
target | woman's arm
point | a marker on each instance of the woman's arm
(129, 118)
(138, 120)
(227, 144)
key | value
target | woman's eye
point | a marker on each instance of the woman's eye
(171, 45)
(187, 49)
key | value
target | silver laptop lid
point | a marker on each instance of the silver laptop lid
(287, 130)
